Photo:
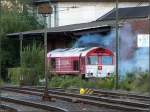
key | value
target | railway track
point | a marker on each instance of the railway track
(105, 93)
(32, 104)
(115, 103)
(102, 92)
(122, 94)
(110, 93)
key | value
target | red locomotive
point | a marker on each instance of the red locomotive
(86, 62)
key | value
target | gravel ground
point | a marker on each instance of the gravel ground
(22, 108)
(71, 107)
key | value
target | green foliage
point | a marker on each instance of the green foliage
(142, 83)
(33, 57)
(13, 19)
(23, 76)
(1, 83)
(76, 82)
(136, 82)
(127, 82)
(106, 83)
(131, 82)
(32, 67)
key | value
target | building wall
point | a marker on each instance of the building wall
(141, 26)
(81, 12)
(56, 43)
(141, 54)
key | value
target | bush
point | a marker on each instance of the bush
(142, 83)
(23, 76)
(136, 82)
(1, 83)
(32, 67)
(127, 82)
(33, 57)
(76, 82)
(106, 83)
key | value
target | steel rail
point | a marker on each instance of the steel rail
(115, 93)
(108, 93)
(99, 101)
(89, 97)
(33, 104)
(130, 95)
(101, 92)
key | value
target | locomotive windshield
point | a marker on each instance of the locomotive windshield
(92, 60)
(107, 60)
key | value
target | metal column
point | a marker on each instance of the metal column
(56, 21)
(45, 53)
(117, 48)
(149, 55)
(0, 42)
(21, 39)
(46, 96)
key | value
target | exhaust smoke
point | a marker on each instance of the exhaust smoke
(131, 58)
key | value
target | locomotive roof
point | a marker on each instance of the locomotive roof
(71, 52)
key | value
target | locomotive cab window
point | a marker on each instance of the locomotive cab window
(92, 60)
(75, 65)
(107, 60)
(53, 63)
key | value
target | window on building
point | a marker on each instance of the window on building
(53, 63)
(76, 65)
(107, 60)
(92, 60)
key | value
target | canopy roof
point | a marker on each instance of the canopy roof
(96, 26)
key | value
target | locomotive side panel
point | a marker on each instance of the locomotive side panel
(65, 65)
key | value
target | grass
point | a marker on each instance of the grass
(32, 66)
(132, 82)
(136, 82)
(23, 76)
(76, 82)
(1, 83)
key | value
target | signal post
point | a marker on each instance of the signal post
(45, 9)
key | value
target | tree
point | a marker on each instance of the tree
(13, 19)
